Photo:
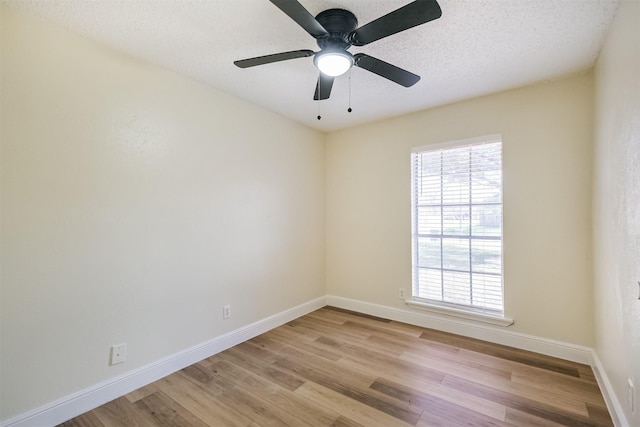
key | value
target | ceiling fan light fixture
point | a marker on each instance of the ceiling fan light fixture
(333, 63)
(336, 30)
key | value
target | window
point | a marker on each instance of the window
(457, 225)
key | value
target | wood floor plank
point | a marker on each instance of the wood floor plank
(142, 392)
(586, 373)
(447, 416)
(444, 396)
(599, 415)
(260, 411)
(586, 391)
(345, 422)
(456, 367)
(395, 367)
(518, 418)
(351, 409)
(267, 370)
(564, 412)
(167, 412)
(351, 383)
(299, 329)
(327, 328)
(373, 327)
(400, 344)
(434, 388)
(201, 401)
(321, 346)
(504, 352)
(121, 412)
(354, 314)
(336, 368)
(277, 396)
(85, 420)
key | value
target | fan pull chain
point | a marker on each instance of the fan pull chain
(349, 109)
(319, 92)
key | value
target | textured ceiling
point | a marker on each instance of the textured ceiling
(477, 47)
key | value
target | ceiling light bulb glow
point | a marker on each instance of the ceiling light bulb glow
(334, 64)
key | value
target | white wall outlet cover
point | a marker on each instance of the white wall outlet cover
(118, 353)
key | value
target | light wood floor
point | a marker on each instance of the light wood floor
(338, 368)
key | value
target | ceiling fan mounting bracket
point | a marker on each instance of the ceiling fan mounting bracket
(339, 24)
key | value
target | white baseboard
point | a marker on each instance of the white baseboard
(78, 403)
(610, 398)
(99, 394)
(498, 335)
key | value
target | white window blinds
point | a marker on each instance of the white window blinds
(457, 224)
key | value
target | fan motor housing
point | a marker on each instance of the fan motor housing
(339, 23)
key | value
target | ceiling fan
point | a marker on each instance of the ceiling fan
(336, 30)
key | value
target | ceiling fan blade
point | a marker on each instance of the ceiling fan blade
(386, 70)
(323, 87)
(415, 13)
(276, 57)
(298, 13)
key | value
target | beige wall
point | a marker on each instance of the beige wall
(616, 191)
(135, 204)
(547, 131)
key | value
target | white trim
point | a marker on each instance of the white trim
(78, 403)
(463, 314)
(613, 404)
(487, 139)
(468, 328)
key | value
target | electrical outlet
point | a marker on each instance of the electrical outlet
(401, 293)
(118, 353)
(630, 395)
(226, 312)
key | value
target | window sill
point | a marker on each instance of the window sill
(462, 314)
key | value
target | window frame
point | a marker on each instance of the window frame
(445, 307)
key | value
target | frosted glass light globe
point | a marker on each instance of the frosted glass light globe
(334, 64)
